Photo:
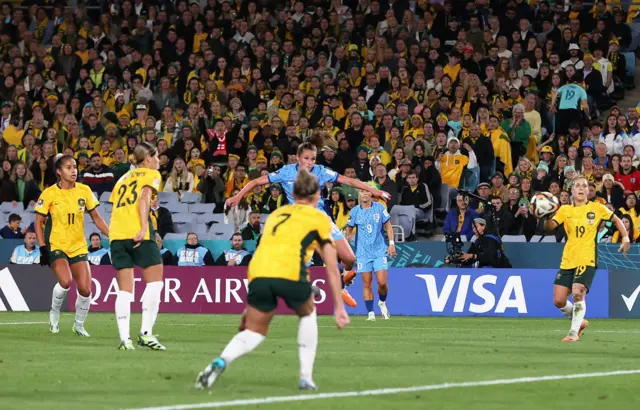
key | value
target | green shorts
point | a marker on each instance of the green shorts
(581, 274)
(124, 255)
(264, 293)
(58, 254)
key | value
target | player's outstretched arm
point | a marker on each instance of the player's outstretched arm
(263, 180)
(330, 258)
(626, 242)
(361, 185)
(100, 223)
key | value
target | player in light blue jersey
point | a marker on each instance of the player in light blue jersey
(286, 176)
(371, 221)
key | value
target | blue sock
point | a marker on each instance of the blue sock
(369, 305)
(383, 298)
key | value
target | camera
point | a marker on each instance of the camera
(454, 247)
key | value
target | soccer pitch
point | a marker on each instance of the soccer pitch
(437, 363)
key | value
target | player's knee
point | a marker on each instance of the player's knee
(84, 290)
(383, 288)
(559, 301)
(65, 282)
(579, 291)
(367, 284)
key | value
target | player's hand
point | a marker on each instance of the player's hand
(382, 194)
(44, 256)
(233, 201)
(466, 256)
(138, 238)
(342, 318)
(624, 248)
(392, 251)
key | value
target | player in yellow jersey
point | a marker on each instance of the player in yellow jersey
(133, 244)
(579, 258)
(62, 242)
(278, 271)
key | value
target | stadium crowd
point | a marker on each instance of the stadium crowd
(503, 98)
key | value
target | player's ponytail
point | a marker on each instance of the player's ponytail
(141, 151)
(314, 143)
(306, 184)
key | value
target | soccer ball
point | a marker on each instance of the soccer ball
(544, 204)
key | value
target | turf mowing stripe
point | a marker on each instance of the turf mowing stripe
(380, 392)
(23, 323)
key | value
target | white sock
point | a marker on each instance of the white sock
(82, 309)
(150, 306)
(579, 310)
(57, 298)
(123, 313)
(307, 345)
(567, 310)
(241, 344)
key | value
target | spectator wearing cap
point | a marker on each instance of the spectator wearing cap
(453, 163)
(329, 159)
(612, 191)
(498, 188)
(361, 164)
(415, 204)
(399, 176)
(546, 156)
(98, 176)
(484, 192)
(628, 175)
(541, 180)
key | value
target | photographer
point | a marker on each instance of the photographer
(485, 251)
(212, 187)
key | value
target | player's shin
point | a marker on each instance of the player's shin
(82, 309)
(307, 345)
(151, 306)
(123, 314)
(579, 311)
(57, 298)
(241, 344)
(567, 310)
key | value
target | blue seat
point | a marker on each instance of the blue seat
(221, 231)
(178, 208)
(210, 218)
(190, 198)
(182, 222)
(167, 198)
(199, 208)
(105, 197)
(8, 208)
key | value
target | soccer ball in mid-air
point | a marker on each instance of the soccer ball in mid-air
(544, 204)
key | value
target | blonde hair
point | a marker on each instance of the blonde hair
(177, 179)
(306, 184)
(140, 152)
(28, 176)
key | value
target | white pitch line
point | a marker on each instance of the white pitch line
(23, 323)
(380, 392)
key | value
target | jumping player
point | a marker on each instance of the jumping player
(133, 244)
(278, 271)
(62, 242)
(579, 258)
(306, 155)
(371, 219)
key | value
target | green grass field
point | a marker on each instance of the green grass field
(40, 370)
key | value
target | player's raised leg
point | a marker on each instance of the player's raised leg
(561, 295)
(346, 256)
(82, 275)
(61, 269)
(123, 305)
(152, 275)
(383, 286)
(256, 326)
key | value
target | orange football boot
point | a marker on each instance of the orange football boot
(349, 276)
(571, 339)
(348, 299)
(583, 326)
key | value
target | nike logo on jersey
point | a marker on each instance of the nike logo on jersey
(631, 300)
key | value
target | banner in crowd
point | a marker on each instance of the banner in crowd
(478, 292)
(624, 289)
(192, 290)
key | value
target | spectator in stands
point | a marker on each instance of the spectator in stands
(503, 217)
(167, 256)
(237, 255)
(27, 254)
(238, 214)
(612, 192)
(212, 187)
(161, 218)
(122, 165)
(497, 187)
(251, 232)
(386, 184)
(415, 205)
(25, 188)
(238, 180)
(13, 230)
(460, 219)
(523, 221)
(484, 191)
(98, 177)
(453, 163)
(273, 199)
(193, 254)
(97, 254)
(180, 179)
(518, 129)
(628, 175)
